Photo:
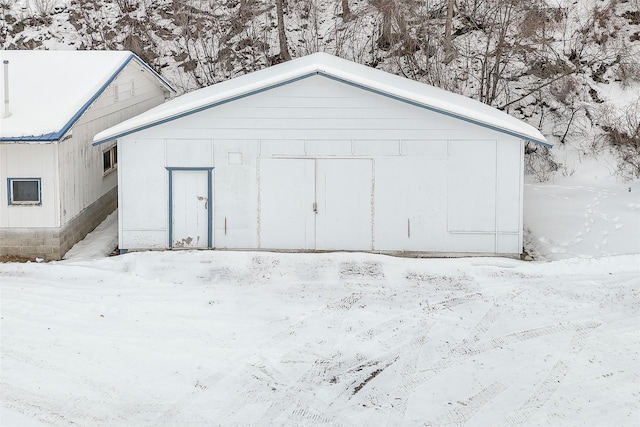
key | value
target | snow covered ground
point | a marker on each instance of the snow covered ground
(237, 338)
(587, 212)
(259, 338)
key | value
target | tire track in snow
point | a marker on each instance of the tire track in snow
(552, 382)
(291, 397)
(410, 358)
(482, 326)
(355, 372)
(459, 353)
(32, 405)
(412, 379)
(469, 407)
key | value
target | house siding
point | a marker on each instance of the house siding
(51, 243)
(30, 161)
(80, 163)
(76, 195)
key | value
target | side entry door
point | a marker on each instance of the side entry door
(190, 208)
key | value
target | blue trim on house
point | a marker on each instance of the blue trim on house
(323, 74)
(9, 192)
(56, 136)
(209, 201)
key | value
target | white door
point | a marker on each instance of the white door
(344, 200)
(287, 203)
(190, 209)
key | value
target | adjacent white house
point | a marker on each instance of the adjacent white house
(57, 186)
(322, 154)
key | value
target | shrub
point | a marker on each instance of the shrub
(539, 162)
(622, 132)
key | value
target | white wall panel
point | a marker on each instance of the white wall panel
(471, 242)
(375, 148)
(328, 147)
(144, 189)
(410, 204)
(471, 180)
(508, 186)
(143, 239)
(236, 194)
(287, 196)
(344, 197)
(189, 153)
(428, 148)
(286, 147)
(509, 244)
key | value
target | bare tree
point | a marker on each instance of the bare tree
(346, 12)
(282, 34)
(448, 43)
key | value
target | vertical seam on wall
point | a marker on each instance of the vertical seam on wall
(495, 215)
(210, 208)
(521, 195)
(170, 208)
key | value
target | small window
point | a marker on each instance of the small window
(24, 191)
(110, 159)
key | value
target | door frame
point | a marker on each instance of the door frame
(209, 171)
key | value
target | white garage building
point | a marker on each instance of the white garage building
(321, 153)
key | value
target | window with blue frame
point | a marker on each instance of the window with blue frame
(24, 191)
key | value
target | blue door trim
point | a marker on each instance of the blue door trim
(209, 171)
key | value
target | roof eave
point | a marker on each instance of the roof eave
(333, 77)
(48, 137)
(56, 136)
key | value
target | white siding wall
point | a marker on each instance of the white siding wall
(29, 161)
(440, 184)
(81, 177)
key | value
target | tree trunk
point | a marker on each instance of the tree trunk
(448, 44)
(282, 35)
(346, 12)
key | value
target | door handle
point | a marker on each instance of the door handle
(315, 207)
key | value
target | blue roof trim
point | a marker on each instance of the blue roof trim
(437, 110)
(323, 74)
(56, 136)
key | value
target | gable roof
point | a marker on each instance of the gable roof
(367, 78)
(50, 90)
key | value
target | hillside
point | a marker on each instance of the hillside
(569, 68)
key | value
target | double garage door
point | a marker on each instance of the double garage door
(316, 204)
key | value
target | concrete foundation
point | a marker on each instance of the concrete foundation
(52, 243)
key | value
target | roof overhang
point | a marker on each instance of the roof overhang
(328, 67)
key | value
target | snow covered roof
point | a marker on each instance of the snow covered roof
(50, 90)
(342, 70)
